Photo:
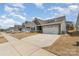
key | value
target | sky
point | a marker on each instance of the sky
(16, 13)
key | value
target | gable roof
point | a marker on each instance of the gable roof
(17, 26)
(39, 22)
(28, 24)
(58, 19)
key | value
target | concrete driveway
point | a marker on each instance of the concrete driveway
(23, 47)
(41, 40)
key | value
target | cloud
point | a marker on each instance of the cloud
(19, 5)
(8, 9)
(14, 14)
(55, 15)
(11, 9)
(65, 10)
(23, 18)
(39, 5)
(16, 5)
(8, 22)
(70, 11)
(3, 16)
(60, 10)
(73, 7)
(16, 8)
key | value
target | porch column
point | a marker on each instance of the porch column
(30, 30)
(36, 28)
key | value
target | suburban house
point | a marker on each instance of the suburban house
(10, 29)
(28, 27)
(16, 28)
(69, 25)
(51, 26)
(39, 23)
(77, 23)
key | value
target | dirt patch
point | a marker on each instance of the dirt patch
(2, 39)
(65, 46)
(21, 35)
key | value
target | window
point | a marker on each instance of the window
(33, 28)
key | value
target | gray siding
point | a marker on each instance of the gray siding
(77, 23)
(63, 26)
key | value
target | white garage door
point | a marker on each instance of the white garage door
(26, 29)
(53, 29)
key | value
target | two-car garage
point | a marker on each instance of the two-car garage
(51, 29)
(52, 26)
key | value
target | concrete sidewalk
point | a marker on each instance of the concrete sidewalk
(6, 49)
(23, 48)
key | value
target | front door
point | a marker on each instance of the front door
(39, 29)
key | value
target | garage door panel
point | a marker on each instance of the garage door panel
(51, 29)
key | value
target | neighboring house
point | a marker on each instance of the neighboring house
(17, 28)
(10, 29)
(51, 26)
(39, 23)
(69, 25)
(77, 23)
(28, 27)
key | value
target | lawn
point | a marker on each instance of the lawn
(2, 39)
(20, 35)
(65, 46)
